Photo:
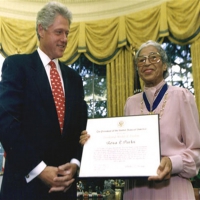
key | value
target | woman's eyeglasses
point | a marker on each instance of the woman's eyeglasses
(153, 58)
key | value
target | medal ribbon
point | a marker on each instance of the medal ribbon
(157, 100)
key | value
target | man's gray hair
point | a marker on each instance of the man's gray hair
(49, 12)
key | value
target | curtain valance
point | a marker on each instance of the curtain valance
(102, 40)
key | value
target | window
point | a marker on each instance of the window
(94, 82)
(180, 72)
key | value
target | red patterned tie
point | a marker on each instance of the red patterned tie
(58, 93)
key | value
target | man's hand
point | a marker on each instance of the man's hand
(65, 178)
(84, 137)
(163, 171)
(48, 175)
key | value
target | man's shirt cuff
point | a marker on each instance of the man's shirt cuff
(35, 172)
(75, 161)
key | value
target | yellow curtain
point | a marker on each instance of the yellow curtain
(195, 49)
(17, 36)
(101, 40)
(119, 74)
(183, 19)
(104, 41)
(184, 28)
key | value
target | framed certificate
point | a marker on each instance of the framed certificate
(121, 147)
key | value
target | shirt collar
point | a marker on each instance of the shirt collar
(45, 59)
(152, 92)
(155, 88)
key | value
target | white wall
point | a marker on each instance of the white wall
(1, 149)
(1, 62)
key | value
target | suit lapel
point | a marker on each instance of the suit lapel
(43, 85)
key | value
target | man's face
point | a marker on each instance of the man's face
(53, 41)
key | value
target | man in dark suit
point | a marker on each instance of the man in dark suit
(43, 152)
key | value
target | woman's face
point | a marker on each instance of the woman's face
(150, 73)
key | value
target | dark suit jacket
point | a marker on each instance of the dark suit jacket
(29, 128)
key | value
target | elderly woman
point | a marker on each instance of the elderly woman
(179, 130)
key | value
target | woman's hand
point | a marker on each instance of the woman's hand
(163, 171)
(84, 137)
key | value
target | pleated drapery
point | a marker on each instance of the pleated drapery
(195, 50)
(107, 41)
(119, 75)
